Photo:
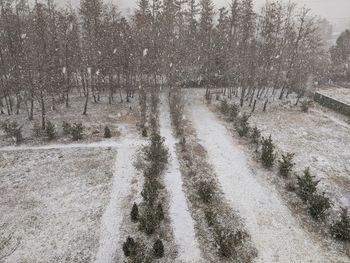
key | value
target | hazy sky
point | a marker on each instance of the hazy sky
(336, 11)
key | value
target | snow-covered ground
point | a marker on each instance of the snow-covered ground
(112, 217)
(183, 225)
(51, 203)
(275, 232)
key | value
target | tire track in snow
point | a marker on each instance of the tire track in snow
(113, 215)
(182, 221)
(274, 231)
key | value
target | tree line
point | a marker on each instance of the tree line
(48, 53)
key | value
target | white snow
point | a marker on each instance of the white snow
(112, 217)
(182, 221)
(274, 231)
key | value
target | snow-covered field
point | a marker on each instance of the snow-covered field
(52, 202)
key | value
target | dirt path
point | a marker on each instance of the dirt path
(274, 231)
(113, 215)
(182, 221)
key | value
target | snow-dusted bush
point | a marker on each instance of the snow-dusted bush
(233, 112)
(134, 213)
(227, 241)
(129, 247)
(37, 130)
(12, 130)
(268, 155)
(307, 185)
(149, 220)
(107, 132)
(77, 131)
(255, 135)
(158, 249)
(205, 191)
(341, 228)
(51, 130)
(150, 190)
(243, 127)
(156, 153)
(160, 212)
(305, 105)
(144, 132)
(210, 217)
(224, 107)
(67, 128)
(318, 205)
(286, 164)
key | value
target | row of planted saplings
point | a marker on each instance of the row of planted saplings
(149, 214)
(227, 238)
(318, 204)
(13, 130)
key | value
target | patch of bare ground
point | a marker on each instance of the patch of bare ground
(216, 213)
(51, 203)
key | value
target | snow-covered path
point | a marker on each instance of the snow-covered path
(103, 144)
(113, 215)
(182, 221)
(274, 231)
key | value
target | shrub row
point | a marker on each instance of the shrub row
(149, 214)
(227, 240)
(318, 204)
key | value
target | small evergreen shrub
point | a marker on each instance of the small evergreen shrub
(158, 249)
(160, 212)
(150, 190)
(286, 164)
(156, 152)
(130, 247)
(13, 130)
(149, 221)
(233, 112)
(227, 241)
(341, 229)
(67, 128)
(210, 217)
(107, 133)
(224, 107)
(305, 106)
(306, 185)
(134, 213)
(243, 125)
(77, 131)
(256, 135)
(144, 132)
(318, 205)
(37, 131)
(268, 155)
(51, 131)
(205, 192)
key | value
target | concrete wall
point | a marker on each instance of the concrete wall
(332, 103)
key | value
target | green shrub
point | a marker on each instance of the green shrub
(77, 131)
(149, 220)
(306, 185)
(318, 205)
(156, 152)
(286, 164)
(51, 131)
(305, 105)
(256, 135)
(150, 190)
(134, 213)
(13, 130)
(107, 133)
(130, 247)
(224, 107)
(144, 132)
(227, 241)
(268, 155)
(210, 217)
(160, 212)
(341, 229)
(67, 128)
(234, 111)
(205, 191)
(158, 249)
(243, 125)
